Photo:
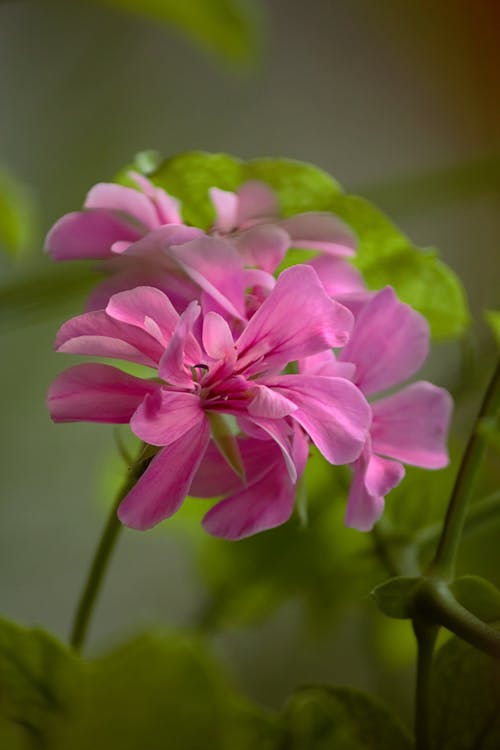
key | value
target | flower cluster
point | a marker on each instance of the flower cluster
(243, 375)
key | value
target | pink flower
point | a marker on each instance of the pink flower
(389, 343)
(114, 216)
(251, 219)
(204, 373)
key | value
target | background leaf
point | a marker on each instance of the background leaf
(226, 27)
(323, 718)
(465, 699)
(478, 596)
(17, 216)
(37, 676)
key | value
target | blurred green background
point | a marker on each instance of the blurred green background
(399, 101)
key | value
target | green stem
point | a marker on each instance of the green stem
(426, 635)
(101, 559)
(437, 604)
(443, 564)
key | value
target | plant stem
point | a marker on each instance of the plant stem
(443, 563)
(437, 603)
(101, 559)
(426, 635)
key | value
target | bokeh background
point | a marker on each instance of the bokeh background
(400, 102)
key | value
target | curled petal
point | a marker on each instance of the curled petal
(412, 425)
(161, 490)
(373, 478)
(96, 393)
(167, 206)
(182, 351)
(217, 338)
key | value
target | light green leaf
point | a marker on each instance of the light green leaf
(17, 216)
(465, 699)
(339, 718)
(226, 27)
(478, 596)
(493, 320)
(395, 597)
(386, 256)
(37, 676)
(189, 176)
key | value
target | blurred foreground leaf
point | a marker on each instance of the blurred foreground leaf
(17, 216)
(465, 699)
(226, 27)
(328, 718)
(37, 677)
(493, 320)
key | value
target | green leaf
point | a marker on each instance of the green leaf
(386, 256)
(478, 596)
(465, 699)
(37, 676)
(493, 320)
(189, 176)
(339, 718)
(157, 691)
(226, 27)
(17, 216)
(395, 597)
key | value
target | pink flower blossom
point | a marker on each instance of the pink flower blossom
(203, 373)
(389, 343)
(250, 217)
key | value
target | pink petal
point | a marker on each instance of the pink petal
(183, 350)
(296, 320)
(256, 202)
(161, 490)
(159, 241)
(136, 306)
(325, 363)
(96, 334)
(96, 393)
(320, 231)
(412, 425)
(217, 338)
(280, 431)
(126, 200)
(216, 267)
(164, 416)
(263, 246)
(88, 234)
(215, 476)
(269, 403)
(389, 343)
(363, 510)
(264, 504)
(226, 209)
(332, 411)
(338, 276)
(168, 208)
